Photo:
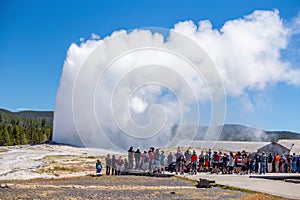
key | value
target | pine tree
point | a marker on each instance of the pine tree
(23, 139)
(6, 138)
(1, 136)
(43, 123)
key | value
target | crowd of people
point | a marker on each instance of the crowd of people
(241, 162)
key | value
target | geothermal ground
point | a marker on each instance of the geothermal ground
(46, 161)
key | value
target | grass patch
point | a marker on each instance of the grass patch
(252, 195)
(52, 161)
(90, 157)
(66, 169)
(226, 187)
(54, 170)
(51, 157)
(259, 196)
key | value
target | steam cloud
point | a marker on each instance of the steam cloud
(245, 51)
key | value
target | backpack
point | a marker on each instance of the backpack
(99, 166)
(270, 159)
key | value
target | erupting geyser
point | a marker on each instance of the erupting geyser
(145, 87)
(132, 88)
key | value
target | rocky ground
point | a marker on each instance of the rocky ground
(116, 187)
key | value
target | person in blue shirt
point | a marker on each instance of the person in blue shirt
(98, 167)
(294, 163)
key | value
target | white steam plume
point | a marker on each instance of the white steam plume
(246, 53)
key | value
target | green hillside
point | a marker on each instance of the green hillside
(25, 127)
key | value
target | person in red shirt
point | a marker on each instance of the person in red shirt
(151, 160)
(194, 159)
(276, 160)
(216, 159)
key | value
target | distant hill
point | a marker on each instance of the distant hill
(235, 132)
(25, 127)
(29, 114)
(32, 127)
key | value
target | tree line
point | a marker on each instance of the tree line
(26, 127)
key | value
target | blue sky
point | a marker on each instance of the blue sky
(35, 37)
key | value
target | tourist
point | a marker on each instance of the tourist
(119, 164)
(126, 164)
(263, 159)
(270, 162)
(289, 163)
(170, 158)
(210, 155)
(201, 162)
(282, 163)
(157, 160)
(220, 165)
(216, 158)
(194, 160)
(145, 161)
(244, 168)
(162, 160)
(249, 163)
(256, 163)
(179, 161)
(187, 155)
(137, 158)
(130, 157)
(238, 163)
(108, 164)
(113, 165)
(207, 161)
(298, 164)
(98, 167)
(231, 163)
(253, 164)
(187, 164)
(151, 160)
(294, 163)
(277, 160)
(224, 160)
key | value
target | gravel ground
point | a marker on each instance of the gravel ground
(113, 187)
(116, 187)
